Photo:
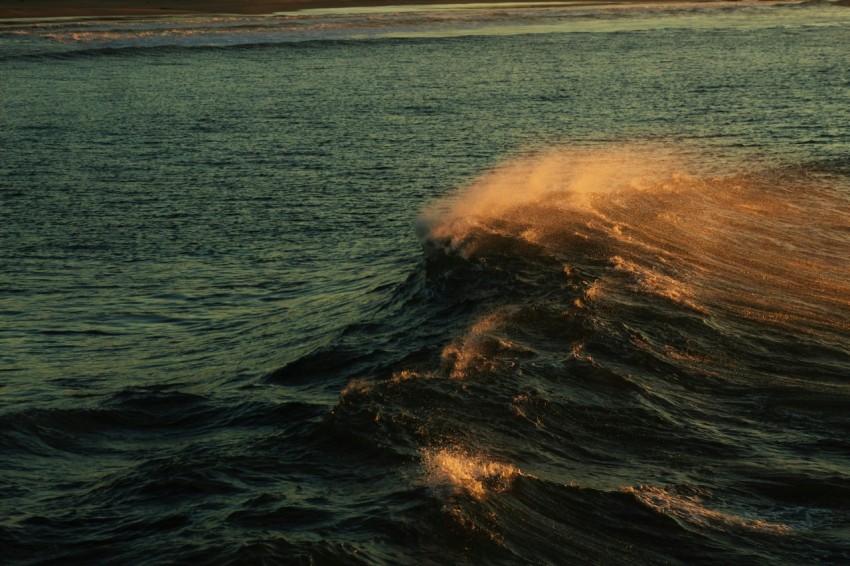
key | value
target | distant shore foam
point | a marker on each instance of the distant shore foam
(39, 10)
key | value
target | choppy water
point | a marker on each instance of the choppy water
(486, 286)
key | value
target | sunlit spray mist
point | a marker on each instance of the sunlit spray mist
(563, 178)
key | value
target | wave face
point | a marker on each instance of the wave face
(495, 286)
(653, 354)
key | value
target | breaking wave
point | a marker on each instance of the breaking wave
(621, 317)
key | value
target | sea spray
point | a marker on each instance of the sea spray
(523, 190)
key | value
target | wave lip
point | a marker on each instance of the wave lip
(562, 178)
(692, 508)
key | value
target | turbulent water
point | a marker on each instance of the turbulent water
(502, 285)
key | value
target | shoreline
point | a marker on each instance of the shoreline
(49, 9)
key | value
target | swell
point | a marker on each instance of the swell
(143, 470)
(584, 355)
(616, 335)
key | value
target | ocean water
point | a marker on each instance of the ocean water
(427, 286)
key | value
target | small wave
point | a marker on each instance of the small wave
(691, 507)
(481, 349)
(458, 471)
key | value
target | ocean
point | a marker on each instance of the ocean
(452, 285)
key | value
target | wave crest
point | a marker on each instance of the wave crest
(461, 472)
(693, 509)
(528, 197)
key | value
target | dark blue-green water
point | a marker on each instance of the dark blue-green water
(502, 285)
